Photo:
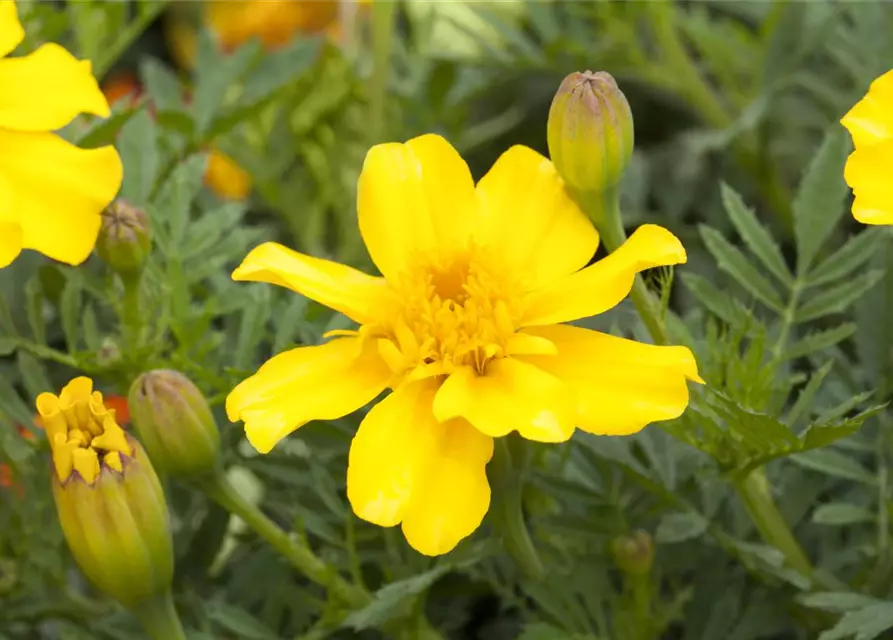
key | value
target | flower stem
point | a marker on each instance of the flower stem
(130, 309)
(298, 554)
(603, 208)
(754, 490)
(160, 619)
(508, 514)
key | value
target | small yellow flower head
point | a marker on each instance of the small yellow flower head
(868, 169)
(125, 239)
(633, 553)
(590, 131)
(467, 328)
(175, 423)
(52, 192)
(108, 497)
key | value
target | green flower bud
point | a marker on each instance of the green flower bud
(175, 423)
(125, 238)
(633, 553)
(108, 497)
(590, 131)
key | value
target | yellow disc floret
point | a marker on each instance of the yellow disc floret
(83, 433)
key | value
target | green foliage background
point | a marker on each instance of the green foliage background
(786, 302)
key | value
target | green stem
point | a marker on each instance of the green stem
(508, 513)
(160, 619)
(754, 490)
(603, 208)
(301, 558)
(383, 17)
(640, 588)
(130, 309)
(128, 36)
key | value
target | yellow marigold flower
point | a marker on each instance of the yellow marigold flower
(108, 497)
(51, 192)
(465, 328)
(870, 123)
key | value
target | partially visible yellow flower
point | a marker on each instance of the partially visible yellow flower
(869, 168)
(466, 329)
(108, 497)
(226, 178)
(51, 192)
(273, 22)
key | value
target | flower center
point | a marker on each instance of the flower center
(82, 432)
(459, 314)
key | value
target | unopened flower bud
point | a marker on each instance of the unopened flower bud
(108, 497)
(125, 238)
(590, 131)
(633, 553)
(175, 423)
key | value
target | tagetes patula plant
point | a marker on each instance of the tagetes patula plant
(51, 192)
(466, 329)
(108, 497)
(869, 168)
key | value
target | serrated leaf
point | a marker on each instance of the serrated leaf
(8, 345)
(139, 154)
(678, 527)
(819, 341)
(162, 86)
(834, 463)
(755, 235)
(719, 303)
(175, 199)
(836, 601)
(392, 599)
(807, 395)
(863, 624)
(216, 77)
(34, 310)
(731, 260)
(841, 513)
(761, 431)
(90, 328)
(838, 298)
(34, 374)
(239, 622)
(855, 252)
(821, 435)
(819, 202)
(251, 329)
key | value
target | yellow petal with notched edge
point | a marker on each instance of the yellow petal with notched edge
(11, 32)
(871, 119)
(51, 88)
(867, 171)
(58, 191)
(620, 385)
(606, 283)
(361, 297)
(416, 205)
(304, 384)
(391, 453)
(510, 395)
(529, 222)
(455, 495)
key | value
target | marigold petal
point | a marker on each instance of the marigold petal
(867, 172)
(11, 31)
(455, 496)
(391, 452)
(620, 385)
(308, 383)
(549, 236)
(416, 204)
(606, 283)
(871, 119)
(510, 395)
(10, 242)
(359, 296)
(58, 191)
(51, 88)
